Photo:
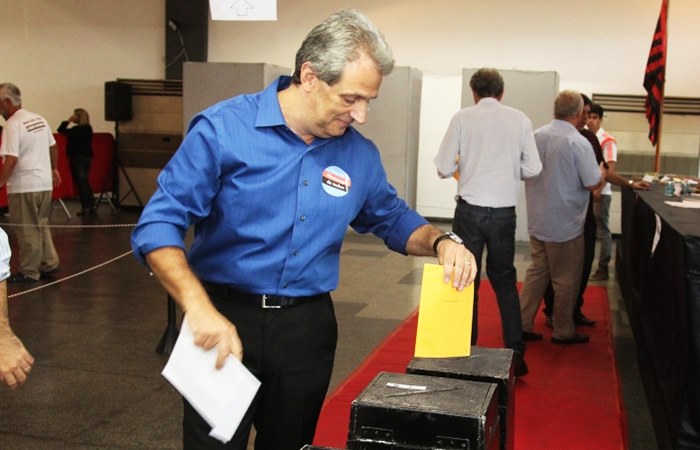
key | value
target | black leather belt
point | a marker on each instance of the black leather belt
(264, 301)
(461, 201)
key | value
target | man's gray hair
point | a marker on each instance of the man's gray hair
(341, 39)
(487, 82)
(568, 104)
(9, 90)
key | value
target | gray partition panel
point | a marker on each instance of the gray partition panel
(393, 124)
(206, 83)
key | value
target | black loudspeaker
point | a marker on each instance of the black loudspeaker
(117, 101)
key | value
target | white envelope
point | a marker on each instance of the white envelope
(221, 396)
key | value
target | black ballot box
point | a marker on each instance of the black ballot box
(404, 411)
(490, 365)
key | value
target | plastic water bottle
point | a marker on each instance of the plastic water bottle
(668, 189)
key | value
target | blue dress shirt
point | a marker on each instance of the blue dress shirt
(270, 212)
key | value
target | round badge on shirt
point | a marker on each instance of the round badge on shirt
(336, 182)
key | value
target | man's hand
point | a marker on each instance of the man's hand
(458, 263)
(211, 329)
(15, 360)
(55, 178)
(640, 185)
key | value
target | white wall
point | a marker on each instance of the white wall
(60, 52)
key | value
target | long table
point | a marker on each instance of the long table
(658, 268)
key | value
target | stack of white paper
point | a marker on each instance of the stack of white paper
(221, 396)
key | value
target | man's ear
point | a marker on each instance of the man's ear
(308, 77)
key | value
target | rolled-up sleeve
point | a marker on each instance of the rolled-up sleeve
(185, 189)
(386, 215)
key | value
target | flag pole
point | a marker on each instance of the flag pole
(657, 159)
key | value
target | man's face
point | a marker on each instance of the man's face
(593, 122)
(5, 107)
(583, 117)
(336, 107)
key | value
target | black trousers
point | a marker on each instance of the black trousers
(494, 229)
(80, 168)
(291, 351)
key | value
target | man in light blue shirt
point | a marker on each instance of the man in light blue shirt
(270, 182)
(557, 201)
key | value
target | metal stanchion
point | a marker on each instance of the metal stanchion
(167, 342)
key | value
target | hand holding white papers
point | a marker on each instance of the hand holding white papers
(220, 396)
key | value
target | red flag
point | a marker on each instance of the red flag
(654, 76)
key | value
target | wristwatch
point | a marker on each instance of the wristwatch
(449, 235)
(630, 182)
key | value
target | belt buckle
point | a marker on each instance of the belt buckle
(266, 306)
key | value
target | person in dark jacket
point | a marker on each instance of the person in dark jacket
(79, 151)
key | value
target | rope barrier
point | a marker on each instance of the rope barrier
(44, 286)
(115, 225)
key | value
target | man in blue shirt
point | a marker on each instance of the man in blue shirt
(271, 182)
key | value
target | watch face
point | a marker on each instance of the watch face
(455, 238)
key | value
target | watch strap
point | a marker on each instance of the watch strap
(441, 238)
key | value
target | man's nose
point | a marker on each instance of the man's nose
(359, 112)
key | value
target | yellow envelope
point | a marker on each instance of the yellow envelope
(444, 317)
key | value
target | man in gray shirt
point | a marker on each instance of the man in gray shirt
(492, 147)
(556, 208)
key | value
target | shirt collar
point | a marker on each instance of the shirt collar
(269, 111)
(488, 101)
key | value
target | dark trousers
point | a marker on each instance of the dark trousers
(291, 351)
(80, 168)
(589, 241)
(493, 228)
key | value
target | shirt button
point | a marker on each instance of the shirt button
(302, 218)
(306, 182)
(284, 286)
(296, 252)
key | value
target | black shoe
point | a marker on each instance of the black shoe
(519, 366)
(575, 339)
(530, 336)
(600, 275)
(584, 321)
(48, 273)
(19, 277)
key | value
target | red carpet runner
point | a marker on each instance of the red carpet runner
(569, 400)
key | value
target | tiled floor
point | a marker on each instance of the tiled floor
(97, 382)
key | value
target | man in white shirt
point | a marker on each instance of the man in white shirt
(603, 197)
(492, 148)
(30, 171)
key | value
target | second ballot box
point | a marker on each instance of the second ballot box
(490, 365)
(404, 411)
